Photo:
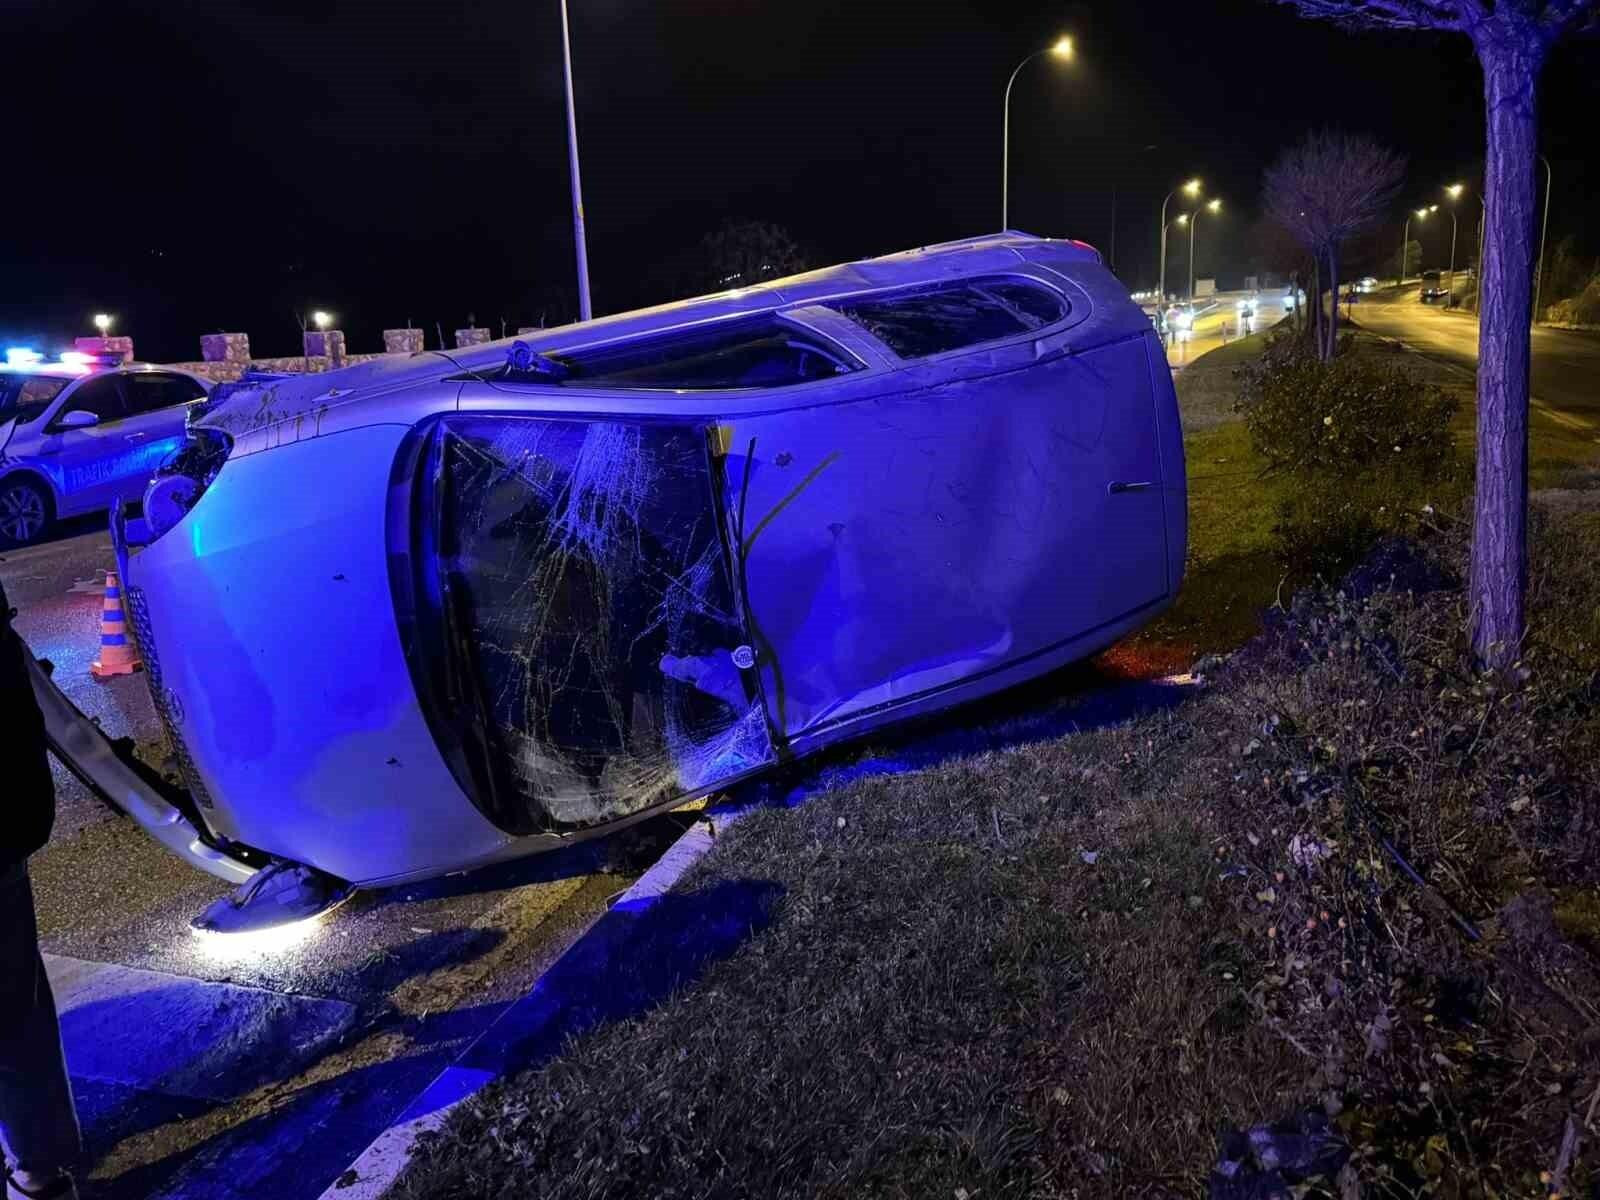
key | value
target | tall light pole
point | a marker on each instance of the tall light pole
(1190, 189)
(1420, 214)
(1062, 49)
(1111, 258)
(1454, 192)
(1483, 219)
(1544, 229)
(1215, 206)
(585, 311)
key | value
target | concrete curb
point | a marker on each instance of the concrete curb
(373, 1174)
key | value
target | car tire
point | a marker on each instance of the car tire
(26, 511)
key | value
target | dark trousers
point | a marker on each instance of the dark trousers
(37, 1121)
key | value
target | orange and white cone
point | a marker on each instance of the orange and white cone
(118, 656)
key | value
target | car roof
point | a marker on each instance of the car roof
(61, 370)
(284, 402)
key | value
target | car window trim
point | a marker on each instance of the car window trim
(65, 400)
(1055, 285)
(167, 378)
(829, 345)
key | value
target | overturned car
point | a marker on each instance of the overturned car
(437, 611)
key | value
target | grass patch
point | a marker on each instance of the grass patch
(1235, 571)
(1065, 968)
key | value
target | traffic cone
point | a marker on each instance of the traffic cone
(118, 656)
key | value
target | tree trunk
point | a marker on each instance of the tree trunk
(1314, 303)
(1333, 303)
(1512, 52)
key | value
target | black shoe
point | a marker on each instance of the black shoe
(59, 1188)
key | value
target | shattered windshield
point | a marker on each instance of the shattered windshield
(25, 397)
(584, 604)
(917, 324)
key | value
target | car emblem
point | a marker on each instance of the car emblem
(744, 658)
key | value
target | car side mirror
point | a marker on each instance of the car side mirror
(77, 419)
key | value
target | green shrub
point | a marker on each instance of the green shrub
(1367, 445)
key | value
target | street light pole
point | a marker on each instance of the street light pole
(1483, 219)
(1405, 247)
(585, 310)
(1193, 222)
(1192, 188)
(1194, 219)
(1454, 192)
(1544, 230)
(1420, 214)
(1061, 49)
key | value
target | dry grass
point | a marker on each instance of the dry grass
(1064, 968)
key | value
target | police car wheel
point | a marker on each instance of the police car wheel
(24, 512)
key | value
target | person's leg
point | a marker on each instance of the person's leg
(37, 1120)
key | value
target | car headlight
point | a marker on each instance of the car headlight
(183, 478)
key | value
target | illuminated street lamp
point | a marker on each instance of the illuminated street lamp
(321, 319)
(1192, 190)
(1215, 206)
(1420, 214)
(102, 322)
(1454, 192)
(1061, 49)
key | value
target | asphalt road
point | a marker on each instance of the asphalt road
(1219, 325)
(356, 1019)
(1566, 363)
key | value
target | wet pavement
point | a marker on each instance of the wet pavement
(309, 1047)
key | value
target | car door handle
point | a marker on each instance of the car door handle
(135, 437)
(1119, 486)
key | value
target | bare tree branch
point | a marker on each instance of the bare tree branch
(1556, 18)
(1390, 14)
(1327, 188)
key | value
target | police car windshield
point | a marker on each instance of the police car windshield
(25, 397)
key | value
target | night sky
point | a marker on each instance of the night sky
(215, 165)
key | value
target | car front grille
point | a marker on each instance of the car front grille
(139, 614)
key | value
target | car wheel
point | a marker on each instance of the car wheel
(25, 512)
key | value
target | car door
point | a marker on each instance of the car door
(158, 408)
(82, 462)
(900, 547)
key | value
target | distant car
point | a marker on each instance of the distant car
(1433, 290)
(1293, 298)
(78, 432)
(436, 611)
(1367, 284)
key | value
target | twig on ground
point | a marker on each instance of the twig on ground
(1570, 1138)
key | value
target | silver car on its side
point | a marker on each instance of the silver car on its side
(76, 434)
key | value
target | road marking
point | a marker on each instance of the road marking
(375, 1171)
(1557, 415)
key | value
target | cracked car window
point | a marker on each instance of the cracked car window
(917, 324)
(591, 615)
(765, 353)
(25, 397)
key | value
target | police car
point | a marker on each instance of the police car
(79, 431)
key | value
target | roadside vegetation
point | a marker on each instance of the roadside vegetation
(1329, 924)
